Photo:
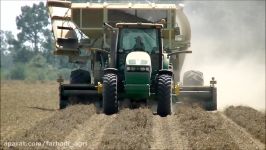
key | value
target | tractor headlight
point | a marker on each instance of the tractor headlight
(138, 68)
(133, 68)
(147, 68)
(142, 68)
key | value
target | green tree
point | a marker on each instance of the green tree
(18, 72)
(33, 22)
(3, 47)
(38, 61)
(6, 58)
(48, 47)
(20, 52)
(6, 37)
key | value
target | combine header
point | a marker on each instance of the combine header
(133, 51)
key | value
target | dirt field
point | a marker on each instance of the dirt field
(30, 120)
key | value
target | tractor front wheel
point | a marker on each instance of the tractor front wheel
(110, 103)
(164, 95)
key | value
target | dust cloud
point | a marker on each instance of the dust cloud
(228, 43)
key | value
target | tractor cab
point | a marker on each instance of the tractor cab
(138, 37)
(138, 57)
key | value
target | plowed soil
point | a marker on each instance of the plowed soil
(33, 124)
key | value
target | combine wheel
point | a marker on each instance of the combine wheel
(164, 95)
(193, 78)
(80, 76)
(77, 76)
(110, 103)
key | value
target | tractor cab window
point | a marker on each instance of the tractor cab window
(138, 40)
(141, 39)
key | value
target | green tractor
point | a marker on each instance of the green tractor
(139, 69)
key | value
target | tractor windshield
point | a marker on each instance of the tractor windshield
(140, 39)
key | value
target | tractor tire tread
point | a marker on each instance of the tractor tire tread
(110, 104)
(164, 95)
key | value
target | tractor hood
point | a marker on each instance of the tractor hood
(138, 59)
(137, 75)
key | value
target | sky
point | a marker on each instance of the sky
(10, 9)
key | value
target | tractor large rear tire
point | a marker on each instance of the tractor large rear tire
(164, 95)
(110, 102)
(193, 78)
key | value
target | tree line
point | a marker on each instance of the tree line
(30, 54)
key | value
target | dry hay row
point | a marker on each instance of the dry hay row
(250, 119)
(130, 130)
(202, 129)
(166, 134)
(243, 139)
(55, 128)
(89, 134)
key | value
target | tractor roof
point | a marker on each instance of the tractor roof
(139, 25)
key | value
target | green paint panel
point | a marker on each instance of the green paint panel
(137, 91)
(137, 77)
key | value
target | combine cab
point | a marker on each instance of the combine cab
(135, 52)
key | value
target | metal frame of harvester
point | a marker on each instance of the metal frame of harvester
(88, 33)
